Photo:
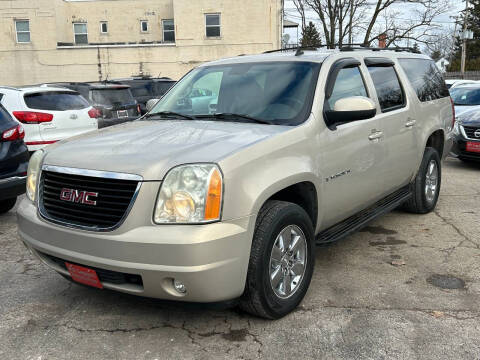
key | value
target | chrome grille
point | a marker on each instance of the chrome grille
(470, 132)
(114, 197)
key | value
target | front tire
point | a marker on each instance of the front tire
(426, 187)
(281, 261)
(7, 205)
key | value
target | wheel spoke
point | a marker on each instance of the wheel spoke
(286, 236)
(276, 276)
(276, 254)
(287, 284)
(297, 268)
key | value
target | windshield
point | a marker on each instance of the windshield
(112, 96)
(467, 96)
(278, 92)
(56, 101)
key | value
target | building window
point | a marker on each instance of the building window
(22, 27)
(144, 26)
(103, 27)
(168, 31)
(81, 34)
(212, 24)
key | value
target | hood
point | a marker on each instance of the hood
(459, 109)
(150, 148)
(470, 118)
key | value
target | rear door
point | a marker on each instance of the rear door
(398, 123)
(69, 110)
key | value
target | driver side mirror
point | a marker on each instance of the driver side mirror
(151, 104)
(350, 109)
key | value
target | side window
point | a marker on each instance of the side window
(349, 82)
(389, 91)
(425, 78)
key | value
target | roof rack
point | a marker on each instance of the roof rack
(345, 47)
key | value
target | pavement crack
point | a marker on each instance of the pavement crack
(465, 237)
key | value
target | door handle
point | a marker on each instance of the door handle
(410, 123)
(375, 135)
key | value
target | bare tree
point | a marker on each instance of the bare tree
(416, 25)
(400, 20)
(300, 6)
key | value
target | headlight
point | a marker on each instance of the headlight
(190, 194)
(33, 172)
(456, 128)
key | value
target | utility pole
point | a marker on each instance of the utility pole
(350, 36)
(464, 41)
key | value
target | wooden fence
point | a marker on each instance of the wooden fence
(469, 75)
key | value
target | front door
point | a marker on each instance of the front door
(352, 155)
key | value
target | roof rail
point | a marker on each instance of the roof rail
(9, 88)
(345, 47)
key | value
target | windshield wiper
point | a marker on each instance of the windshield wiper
(233, 117)
(169, 114)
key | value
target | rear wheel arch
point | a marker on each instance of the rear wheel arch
(436, 140)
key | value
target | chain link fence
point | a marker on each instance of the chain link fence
(469, 75)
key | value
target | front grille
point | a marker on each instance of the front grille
(470, 131)
(108, 276)
(112, 202)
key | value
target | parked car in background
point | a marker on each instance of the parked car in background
(452, 83)
(465, 97)
(467, 136)
(146, 88)
(114, 103)
(48, 114)
(185, 204)
(13, 161)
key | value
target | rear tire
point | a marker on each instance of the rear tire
(426, 186)
(281, 261)
(7, 205)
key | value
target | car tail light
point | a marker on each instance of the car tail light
(30, 117)
(453, 112)
(94, 113)
(15, 133)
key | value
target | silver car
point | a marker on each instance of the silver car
(206, 205)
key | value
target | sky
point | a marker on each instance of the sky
(445, 21)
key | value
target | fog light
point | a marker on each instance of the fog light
(179, 286)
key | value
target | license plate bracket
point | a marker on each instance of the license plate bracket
(473, 146)
(84, 275)
(122, 113)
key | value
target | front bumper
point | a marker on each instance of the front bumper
(459, 149)
(211, 260)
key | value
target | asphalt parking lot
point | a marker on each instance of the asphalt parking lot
(405, 287)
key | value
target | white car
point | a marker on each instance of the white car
(48, 114)
(452, 83)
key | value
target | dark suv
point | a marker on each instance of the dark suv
(114, 102)
(146, 88)
(13, 161)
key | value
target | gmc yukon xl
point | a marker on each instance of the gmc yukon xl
(227, 200)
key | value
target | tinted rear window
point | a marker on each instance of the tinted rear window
(425, 78)
(56, 101)
(162, 87)
(112, 96)
(139, 90)
(387, 85)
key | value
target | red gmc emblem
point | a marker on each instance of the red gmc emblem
(78, 196)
